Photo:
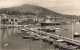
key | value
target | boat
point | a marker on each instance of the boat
(76, 34)
(50, 40)
(60, 40)
(3, 27)
(20, 33)
(6, 44)
(24, 30)
(57, 28)
(47, 30)
(36, 38)
(50, 24)
(77, 22)
(27, 37)
(65, 29)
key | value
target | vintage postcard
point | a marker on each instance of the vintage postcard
(39, 25)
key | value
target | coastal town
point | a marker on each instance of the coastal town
(46, 29)
(32, 27)
(34, 19)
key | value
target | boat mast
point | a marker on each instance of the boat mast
(72, 31)
(55, 21)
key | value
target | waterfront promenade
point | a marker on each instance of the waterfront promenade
(76, 42)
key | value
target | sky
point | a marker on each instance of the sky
(70, 7)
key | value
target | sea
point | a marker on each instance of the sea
(11, 40)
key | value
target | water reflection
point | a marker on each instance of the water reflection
(7, 34)
(11, 40)
(10, 37)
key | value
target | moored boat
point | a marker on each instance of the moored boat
(76, 34)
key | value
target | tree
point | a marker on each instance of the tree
(30, 21)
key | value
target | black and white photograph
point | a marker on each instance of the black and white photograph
(39, 24)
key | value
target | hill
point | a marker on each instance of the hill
(33, 10)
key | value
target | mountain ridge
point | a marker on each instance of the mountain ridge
(33, 10)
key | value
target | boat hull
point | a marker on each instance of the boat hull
(49, 24)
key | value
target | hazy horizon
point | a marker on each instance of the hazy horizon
(70, 7)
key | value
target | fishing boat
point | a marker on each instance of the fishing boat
(36, 38)
(27, 37)
(34, 34)
(47, 30)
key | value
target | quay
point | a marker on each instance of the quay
(13, 26)
(66, 43)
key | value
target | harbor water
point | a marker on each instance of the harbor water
(10, 40)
